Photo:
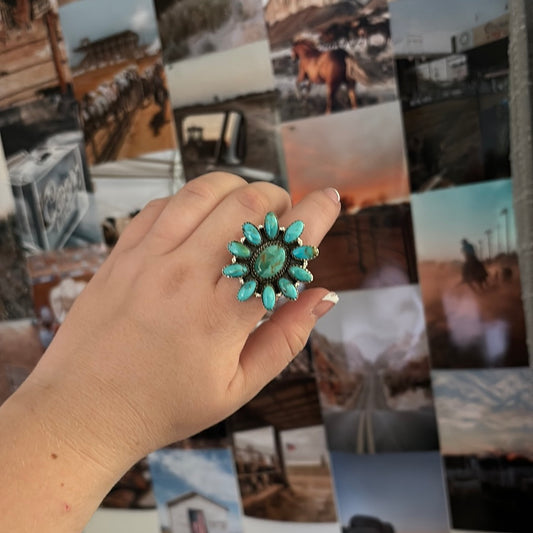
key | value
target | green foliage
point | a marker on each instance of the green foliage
(187, 18)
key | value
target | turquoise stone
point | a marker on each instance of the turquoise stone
(301, 274)
(288, 289)
(246, 290)
(269, 297)
(251, 233)
(305, 252)
(235, 270)
(270, 261)
(271, 225)
(239, 249)
(293, 231)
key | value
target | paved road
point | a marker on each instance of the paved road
(368, 426)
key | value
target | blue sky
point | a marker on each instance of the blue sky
(442, 218)
(99, 18)
(438, 20)
(404, 489)
(208, 472)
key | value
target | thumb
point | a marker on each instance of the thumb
(273, 345)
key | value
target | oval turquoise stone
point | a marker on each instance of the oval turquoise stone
(235, 270)
(251, 233)
(305, 252)
(270, 261)
(301, 274)
(271, 225)
(288, 289)
(239, 249)
(293, 231)
(268, 297)
(246, 290)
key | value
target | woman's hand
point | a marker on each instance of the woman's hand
(157, 347)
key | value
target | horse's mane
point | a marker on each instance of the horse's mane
(305, 41)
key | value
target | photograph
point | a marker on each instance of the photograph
(370, 249)
(359, 153)
(280, 449)
(32, 52)
(486, 435)
(133, 490)
(118, 78)
(50, 179)
(390, 493)
(285, 475)
(469, 276)
(123, 188)
(190, 28)
(20, 350)
(330, 56)
(15, 287)
(226, 115)
(57, 278)
(196, 491)
(238, 135)
(452, 61)
(372, 363)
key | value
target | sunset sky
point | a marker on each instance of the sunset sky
(359, 152)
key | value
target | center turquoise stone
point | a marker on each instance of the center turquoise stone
(270, 261)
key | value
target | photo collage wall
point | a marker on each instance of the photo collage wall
(409, 409)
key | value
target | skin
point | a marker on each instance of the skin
(155, 349)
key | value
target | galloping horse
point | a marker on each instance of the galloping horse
(327, 67)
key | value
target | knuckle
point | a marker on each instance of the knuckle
(199, 189)
(155, 203)
(253, 200)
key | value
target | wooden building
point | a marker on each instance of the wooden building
(112, 49)
(33, 60)
(194, 512)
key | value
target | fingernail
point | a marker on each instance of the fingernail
(328, 302)
(333, 194)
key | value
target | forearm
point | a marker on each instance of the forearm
(50, 481)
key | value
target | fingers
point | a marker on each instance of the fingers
(318, 211)
(273, 345)
(245, 204)
(187, 209)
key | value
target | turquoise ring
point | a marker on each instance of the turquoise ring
(270, 261)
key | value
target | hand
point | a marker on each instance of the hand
(157, 347)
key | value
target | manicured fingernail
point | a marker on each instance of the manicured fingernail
(328, 302)
(333, 194)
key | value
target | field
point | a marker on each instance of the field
(309, 498)
(469, 328)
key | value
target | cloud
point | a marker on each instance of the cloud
(201, 471)
(142, 19)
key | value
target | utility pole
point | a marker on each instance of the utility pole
(480, 247)
(488, 232)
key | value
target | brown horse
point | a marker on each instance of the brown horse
(327, 67)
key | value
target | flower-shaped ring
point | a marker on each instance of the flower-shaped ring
(270, 261)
